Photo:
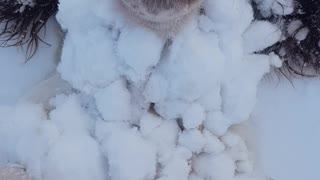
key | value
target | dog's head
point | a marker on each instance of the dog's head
(161, 15)
(161, 10)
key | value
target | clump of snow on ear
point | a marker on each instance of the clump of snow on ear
(283, 7)
(138, 59)
(114, 102)
(295, 29)
(129, 155)
(302, 34)
(260, 35)
(193, 116)
(279, 7)
(217, 167)
(293, 26)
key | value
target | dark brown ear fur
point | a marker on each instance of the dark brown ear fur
(21, 26)
(300, 58)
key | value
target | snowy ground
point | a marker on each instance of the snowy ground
(50, 145)
(288, 128)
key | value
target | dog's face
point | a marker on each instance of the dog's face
(161, 10)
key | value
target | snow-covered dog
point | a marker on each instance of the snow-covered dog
(166, 18)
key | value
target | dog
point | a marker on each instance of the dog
(164, 17)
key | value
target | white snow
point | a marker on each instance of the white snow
(138, 59)
(129, 155)
(287, 127)
(219, 167)
(193, 116)
(260, 35)
(192, 140)
(113, 102)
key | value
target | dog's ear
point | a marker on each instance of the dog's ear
(300, 49)
(22, 21)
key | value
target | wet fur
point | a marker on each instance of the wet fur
(301, 58)
(22, 27)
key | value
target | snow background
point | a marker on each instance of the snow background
(287, 127)
(285, 116)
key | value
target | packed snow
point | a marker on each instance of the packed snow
(134, 105)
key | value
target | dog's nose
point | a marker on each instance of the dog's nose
(161, 10)
(164, 17)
